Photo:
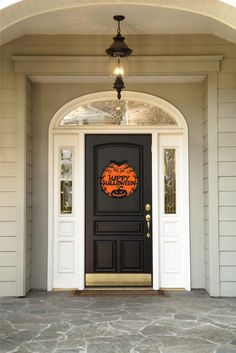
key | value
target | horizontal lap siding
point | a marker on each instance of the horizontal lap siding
(227, 176)
(8, 182)
(205, 187)
(29, 166)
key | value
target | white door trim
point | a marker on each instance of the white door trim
(54, 129)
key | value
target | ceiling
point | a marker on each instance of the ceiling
(95, 17)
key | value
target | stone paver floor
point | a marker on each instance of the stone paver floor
(190, 322)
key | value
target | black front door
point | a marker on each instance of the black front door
(118, 195)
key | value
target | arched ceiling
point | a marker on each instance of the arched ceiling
(95, 17)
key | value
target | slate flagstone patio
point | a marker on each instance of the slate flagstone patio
(56, 322)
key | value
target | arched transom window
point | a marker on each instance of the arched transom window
(113, 112)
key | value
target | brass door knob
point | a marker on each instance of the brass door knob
(148, 207)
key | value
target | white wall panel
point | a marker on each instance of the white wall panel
(66, 229)
(171, 228)
(66, 256)
(171, 257)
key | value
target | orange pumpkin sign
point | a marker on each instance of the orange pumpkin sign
(118, 179)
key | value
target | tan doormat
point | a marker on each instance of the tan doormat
(119, 293)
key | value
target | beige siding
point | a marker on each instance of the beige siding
(8, 286)
(227, 228)
(227, 176)
(8, 169)
(8, 182)
(205, 185)
(13, 161)
(29, 164)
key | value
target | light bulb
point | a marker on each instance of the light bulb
(118, 67)
(119, 71)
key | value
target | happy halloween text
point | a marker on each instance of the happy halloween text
(119, 180)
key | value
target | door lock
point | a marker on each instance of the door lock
(148, 207)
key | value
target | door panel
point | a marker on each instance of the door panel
(108, 262)
(118, 185)
(132, 255)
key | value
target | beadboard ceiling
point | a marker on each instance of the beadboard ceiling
(95, 17)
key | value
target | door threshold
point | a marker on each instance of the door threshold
(118, 288)
(118, 279)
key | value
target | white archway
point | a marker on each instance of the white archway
(178, 133)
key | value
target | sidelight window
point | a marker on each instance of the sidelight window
(170, 180)
(66, 180)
